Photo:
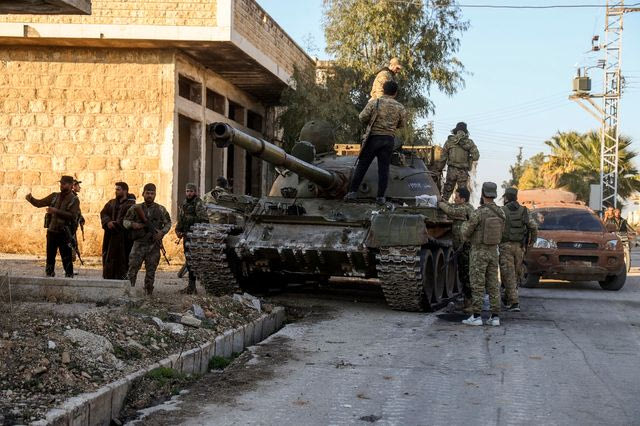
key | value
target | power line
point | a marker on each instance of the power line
(504, 6)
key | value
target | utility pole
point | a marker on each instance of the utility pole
(609, 114)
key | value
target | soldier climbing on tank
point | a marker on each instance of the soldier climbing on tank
(520, 231)
(384, 75)
(484, 232)
(383, 117)
(459, 212)
(191, 211)
(222, 187)
(459, 153)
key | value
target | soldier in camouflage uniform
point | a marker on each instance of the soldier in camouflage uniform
(222, 187)
(459, 153)
(191, 212)
(63, 209)
(383, 116)
(460, 213)
(520, 230)
(147, 236)
(484, 231)
(384, 75)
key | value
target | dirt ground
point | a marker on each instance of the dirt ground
(45, 359)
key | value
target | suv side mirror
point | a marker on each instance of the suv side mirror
(611, 227)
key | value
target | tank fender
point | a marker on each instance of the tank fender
(397, 230)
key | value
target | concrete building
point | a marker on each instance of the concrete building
(53, 7)
(125, 94)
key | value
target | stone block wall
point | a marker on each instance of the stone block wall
(102, 115)
(134, 12)
(254, 24)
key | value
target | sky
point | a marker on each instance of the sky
(520, 66)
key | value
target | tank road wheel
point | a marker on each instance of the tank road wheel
(400, 270)
(451, 282)
(209, 256)
(428, 275)
(440, 275)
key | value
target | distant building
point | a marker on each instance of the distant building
(125, 94)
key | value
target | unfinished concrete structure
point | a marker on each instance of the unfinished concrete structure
(125, 94)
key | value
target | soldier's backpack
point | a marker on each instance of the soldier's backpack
(493, 227)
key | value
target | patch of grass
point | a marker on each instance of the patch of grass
(219, 363)
(165, 374)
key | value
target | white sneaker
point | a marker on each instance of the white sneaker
(493, 321)
(473, 320)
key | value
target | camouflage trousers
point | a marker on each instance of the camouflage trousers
(511, 257)
(149, 253)
(463, 275)
(454, 175)
(483, 272)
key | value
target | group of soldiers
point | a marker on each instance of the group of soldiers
(486, 239)
(133, 232)
(489, 239)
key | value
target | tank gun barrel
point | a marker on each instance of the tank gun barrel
(224, 135)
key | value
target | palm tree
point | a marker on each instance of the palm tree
(574, 164)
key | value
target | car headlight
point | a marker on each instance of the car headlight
(611, 245)
(546, 244)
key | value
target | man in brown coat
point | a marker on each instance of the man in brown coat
(62, 211)
(116, 244)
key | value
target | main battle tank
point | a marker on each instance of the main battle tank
(303, 230)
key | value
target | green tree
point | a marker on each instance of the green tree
(531, 177)
(307, 100)
(516, 172)
(364, 34)
(584, 168)
(574, 164)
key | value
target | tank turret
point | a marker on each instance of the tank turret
(223, 135)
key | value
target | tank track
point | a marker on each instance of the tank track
(208, 257)
(400, 273)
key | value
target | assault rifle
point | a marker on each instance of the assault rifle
(151, 228)
(73, 243)
(184, 269)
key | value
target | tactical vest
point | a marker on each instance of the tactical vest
(492, 227)
(458, 156)
(516, 226)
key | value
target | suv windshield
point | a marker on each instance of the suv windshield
(563, 219)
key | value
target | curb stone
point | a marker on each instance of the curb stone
(99, 407)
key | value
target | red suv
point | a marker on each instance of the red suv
(574, 245)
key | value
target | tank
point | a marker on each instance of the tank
(304, 231)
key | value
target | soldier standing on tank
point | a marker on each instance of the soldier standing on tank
(191, 211)
(520, 231)
(459, 212)
(149, 223)
(62, 211)
(384, 75)
(484, 231)
(459, 153)
(384, 116)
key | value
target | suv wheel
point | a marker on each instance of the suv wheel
(614, 282)
(529, 280)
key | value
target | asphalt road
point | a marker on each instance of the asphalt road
(572, 357)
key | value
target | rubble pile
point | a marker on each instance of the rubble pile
(50, 352)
